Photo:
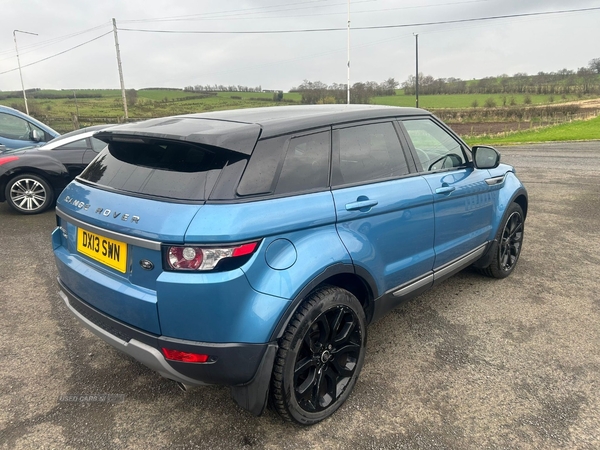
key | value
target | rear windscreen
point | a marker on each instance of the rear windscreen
(163, 169)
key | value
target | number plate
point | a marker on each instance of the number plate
(107, 251)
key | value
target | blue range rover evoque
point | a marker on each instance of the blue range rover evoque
(251, 248)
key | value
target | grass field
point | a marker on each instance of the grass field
(583, 130)
(466, 100)
(106, 107)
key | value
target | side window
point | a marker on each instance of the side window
(260, 173)
(97, 144)
(367, 153)
(435, 147)
(306, 164)
(302, 163)
(75, 145)
(12, 127)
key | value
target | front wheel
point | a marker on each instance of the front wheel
(29, 194)
(509, 240)
(320, 356)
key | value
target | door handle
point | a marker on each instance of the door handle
(445, 189)
(361, 205)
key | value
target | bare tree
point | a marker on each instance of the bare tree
(594, 65)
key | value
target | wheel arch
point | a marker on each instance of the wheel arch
(53, 178)
(522, 201)
(344, 276)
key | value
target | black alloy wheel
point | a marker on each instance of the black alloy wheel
(509, 242)
(320, 356)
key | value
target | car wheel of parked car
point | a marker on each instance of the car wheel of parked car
(29, 194)
(507, 246)
(320, 356)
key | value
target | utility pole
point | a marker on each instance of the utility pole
(19, 63)
(120, 68)
(348, 85)
(417, 70)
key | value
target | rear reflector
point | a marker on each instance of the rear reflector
(244, 249)
(177, 355)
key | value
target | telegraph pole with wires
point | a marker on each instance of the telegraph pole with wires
(417, 69)
(19, 63)
(348, 86)
(120, 69)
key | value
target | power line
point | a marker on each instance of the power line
(56, 40)
(240, 15)
(376, 27)
(58, 54)
(237, 12)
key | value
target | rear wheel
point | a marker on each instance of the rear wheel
(507, 248)
(29, 194)
(320, 356)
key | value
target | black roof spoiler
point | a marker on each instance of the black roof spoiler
(240, 137)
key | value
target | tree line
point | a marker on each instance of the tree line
(583, 81)
(314, 92)
(221, 88)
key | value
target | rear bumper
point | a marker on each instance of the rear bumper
(232, 364)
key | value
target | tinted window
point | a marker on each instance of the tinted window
(306, 164)
(368, 152)
(165, 169)
(302, 163)
(260, 174)
(436, 148)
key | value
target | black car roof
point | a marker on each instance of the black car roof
(238, 130)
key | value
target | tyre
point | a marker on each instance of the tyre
(320, 356)
(29, 194)
(508, 243)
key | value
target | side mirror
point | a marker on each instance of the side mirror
(485, 157)
(36, 136)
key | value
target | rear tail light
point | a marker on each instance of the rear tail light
(206, 258)
(178, 355)
(7, 159)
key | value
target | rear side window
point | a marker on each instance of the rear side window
(97, 144)
(288, 164)
(164, 169)
(306, 164)
(367, 153)
(75, 145)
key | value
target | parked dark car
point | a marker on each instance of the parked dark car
(31, 177)
(19, 130)
(251, 248)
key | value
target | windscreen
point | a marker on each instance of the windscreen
(172, 170)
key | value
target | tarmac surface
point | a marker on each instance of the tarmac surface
(475, 363)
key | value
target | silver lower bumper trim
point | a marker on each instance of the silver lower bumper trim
(148, 356)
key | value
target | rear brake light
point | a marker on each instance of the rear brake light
(205, 258)
(7, 159)
(178, 355)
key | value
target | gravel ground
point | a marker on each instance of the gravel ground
(475, 363)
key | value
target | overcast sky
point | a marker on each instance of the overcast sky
(280, 61)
